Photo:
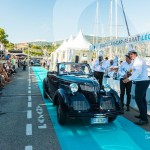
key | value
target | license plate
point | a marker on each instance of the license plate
(100, 120)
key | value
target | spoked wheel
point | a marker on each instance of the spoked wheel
(61, 116)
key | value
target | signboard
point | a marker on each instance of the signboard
(122, 41)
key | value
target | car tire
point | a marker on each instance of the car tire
(44, 90)
(111, 119)
(61, 116)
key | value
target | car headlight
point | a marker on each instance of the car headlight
(107, 87)
(73, 87)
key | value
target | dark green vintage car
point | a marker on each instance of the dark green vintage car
(76, 93)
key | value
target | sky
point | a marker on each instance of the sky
(53, 20)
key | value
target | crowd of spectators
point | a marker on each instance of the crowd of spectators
(8, 67)
(45, 64)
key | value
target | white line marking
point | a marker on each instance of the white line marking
(29, 88)
(28, 129)
(29, 98)
(29, 114)
(44, 126)
(29, 92)
(28, 147)
(29, 104)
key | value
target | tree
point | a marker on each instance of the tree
(10, 46)
(3, 37)
(35, 47)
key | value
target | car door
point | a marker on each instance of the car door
(53, 84)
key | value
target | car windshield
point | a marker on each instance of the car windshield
(74, 68)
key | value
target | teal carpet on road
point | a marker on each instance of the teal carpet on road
(79, 134)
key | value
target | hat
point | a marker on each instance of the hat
(132, 51)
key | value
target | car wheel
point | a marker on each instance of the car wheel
(44, 90)
(61, 116)
(111, 119)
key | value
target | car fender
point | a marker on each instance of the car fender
(62, 95)
(45, 80)
(45, 83)
(115, 95)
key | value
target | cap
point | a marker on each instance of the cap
(132, 51)
(127, 55)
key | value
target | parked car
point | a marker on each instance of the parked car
(76, 93)
(35, 62)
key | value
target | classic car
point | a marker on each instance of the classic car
(76, 93)
(35, 62)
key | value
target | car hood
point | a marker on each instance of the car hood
(82, 79)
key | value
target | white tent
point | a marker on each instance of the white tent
(70, 42)
(80, 42)
(78, 49)
(59, 52)
(63, 46)
(66, 52)
(2, 48)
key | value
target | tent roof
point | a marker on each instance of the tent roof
(70, 41)
(63, 46)
(80, 42)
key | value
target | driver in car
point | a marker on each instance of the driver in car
(62, 69)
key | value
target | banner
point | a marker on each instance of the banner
(122, 41)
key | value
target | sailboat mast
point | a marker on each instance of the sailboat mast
(97, 20)
(110, 28)
(111, 4)
(116, 25)
(125, 19)
(116, 19)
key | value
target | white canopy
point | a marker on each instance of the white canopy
(63, 46)
(80, 43)
(1, 47)
(70, 41)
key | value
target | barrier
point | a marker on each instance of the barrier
(115, 84)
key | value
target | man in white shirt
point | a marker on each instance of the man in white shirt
(99, 67)
(140, 77)
(124, 72)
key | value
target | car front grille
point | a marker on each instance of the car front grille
(89, 88)
(95, 107)
(107, 103)
(80, 105)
